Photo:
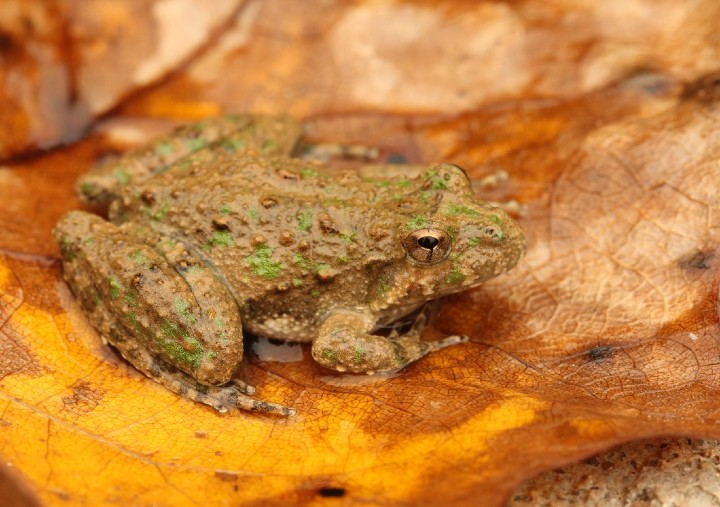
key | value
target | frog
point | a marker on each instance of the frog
(219, 229)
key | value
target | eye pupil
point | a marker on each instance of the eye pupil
(428, 242)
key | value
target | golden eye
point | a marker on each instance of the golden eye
(427, 246)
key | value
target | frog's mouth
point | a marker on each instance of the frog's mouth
(427, 283)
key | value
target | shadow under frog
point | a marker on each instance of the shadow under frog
(215, 228)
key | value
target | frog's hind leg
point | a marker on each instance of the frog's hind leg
(254, 134)
(234, 394)
(175, 322)
(345, 344)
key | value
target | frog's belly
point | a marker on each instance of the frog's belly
(283, 327)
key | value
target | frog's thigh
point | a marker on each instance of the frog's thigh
(185, 317)
(220, 398)
(344, 344)
(268, 135)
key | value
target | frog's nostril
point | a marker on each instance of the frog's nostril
(428, 242)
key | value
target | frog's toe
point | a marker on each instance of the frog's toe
(242, 386)
(447, 342)
(223, 398)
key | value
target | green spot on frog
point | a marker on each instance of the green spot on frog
(87, 189)
(400, 358)
(122, 176)
(458, 209)
(455, 275)
(452, 232)
(135, 323)
(315, 293)
(268, 145)
(89, 240)
(359, 353)
(161, 212)
(220, 325)
(437, 182)
(304, 220)
(305, 265)
(131, 297)
(115, 288)
(301, 261)
(308, 172)
(182, 307)
(416, 222)
(320, 268)
(165, 148)
(253, 214)
(165, 245)
(344, 259)
(234, 145)
(381, 183)
(196, 143)
(382, 287)
(495, 219)
(262, 264)
(138, 256)
(348, 238)
(225, 210)
(473, 242)
(219, 238)
(297, 282)
(66, 249)
(329, 355)
(335, 201)
(194, 270)
(180, 345)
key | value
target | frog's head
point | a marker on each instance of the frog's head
(451, 243)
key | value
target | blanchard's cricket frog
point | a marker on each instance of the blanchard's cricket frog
(215, 228)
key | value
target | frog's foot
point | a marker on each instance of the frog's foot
(343, 344)
(491, 181)
(222, 398)
(513, 208)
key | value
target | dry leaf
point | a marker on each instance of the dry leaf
(608, 331)
(63, 63)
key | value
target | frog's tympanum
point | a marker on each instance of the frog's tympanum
(216, 228)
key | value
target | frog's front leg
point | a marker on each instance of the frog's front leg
(175, 322)
(344, 343)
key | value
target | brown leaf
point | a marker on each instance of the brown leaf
(607, 331)
(63, 63)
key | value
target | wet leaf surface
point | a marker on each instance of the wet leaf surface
(607, 331)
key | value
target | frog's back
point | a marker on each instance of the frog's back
(287, 237)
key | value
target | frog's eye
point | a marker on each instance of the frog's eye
(427, 246)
